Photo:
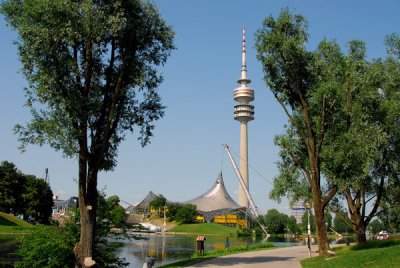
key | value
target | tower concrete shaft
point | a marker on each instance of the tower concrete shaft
(243, 112)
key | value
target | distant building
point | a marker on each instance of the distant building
(298, 211)
(61, 206)
(144, 206)
(63, 209)
(218, 206)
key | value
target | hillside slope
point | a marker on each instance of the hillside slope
(11, 220)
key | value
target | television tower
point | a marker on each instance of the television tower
(244, 112)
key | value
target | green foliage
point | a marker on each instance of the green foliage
(275, 222)
(11, 185)
(105, 252)
(390, 215)
(50, 246)
(173, 208)
(281, 49)
(93, 66)
(290, 181)
(186, 213)
(92, 69)
(256, 231)
(183, 213)
(304, 222)
(38, 199)
(47, 246)
(376, 226)
(292, 226)
(159, 202)
(342, 226)
(307, 86)
(343, 115)
(245, 232)
(24, 194)
(112, 210)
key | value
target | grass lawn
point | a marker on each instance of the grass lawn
(204, 229)
(377, 254)
(11, 228)
(12, 224)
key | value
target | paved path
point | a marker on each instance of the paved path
(287, 257)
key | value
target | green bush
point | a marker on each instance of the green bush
(186, 213)
(52, 246)
(46, 246)
(245, 232)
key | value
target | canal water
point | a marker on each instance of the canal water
(170, 248)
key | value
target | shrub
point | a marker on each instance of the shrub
(47, 246)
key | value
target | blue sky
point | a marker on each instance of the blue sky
(186, 154)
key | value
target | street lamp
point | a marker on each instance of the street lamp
(165, 220)
(308, 206)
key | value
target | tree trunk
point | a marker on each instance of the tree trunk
(87, 206)
(84, 249)
(361, 236)
(323, 242)
(358, 227)
(357, 218)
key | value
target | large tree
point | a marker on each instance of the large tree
(302, 82)
(158, 203)
(38, 199)
(352, 159)
(390, 207)
(352, 145)
(363, 153)
(12, 184)
(24, 195)
(275, 221)
(92, 69)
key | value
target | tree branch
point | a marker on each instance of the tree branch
(378, 200)
(329, 196)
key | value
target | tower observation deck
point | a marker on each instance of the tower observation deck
(243, 112)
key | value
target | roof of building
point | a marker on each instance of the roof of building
(216, 198)
(144, 204)
(71, 202)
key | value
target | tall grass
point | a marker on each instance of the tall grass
(378, 244)
(373, 254)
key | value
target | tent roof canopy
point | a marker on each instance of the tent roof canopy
(216, 198)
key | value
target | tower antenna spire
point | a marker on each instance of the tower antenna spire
(244, 112)
(244, 67)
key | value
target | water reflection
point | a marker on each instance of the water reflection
(171, 248)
